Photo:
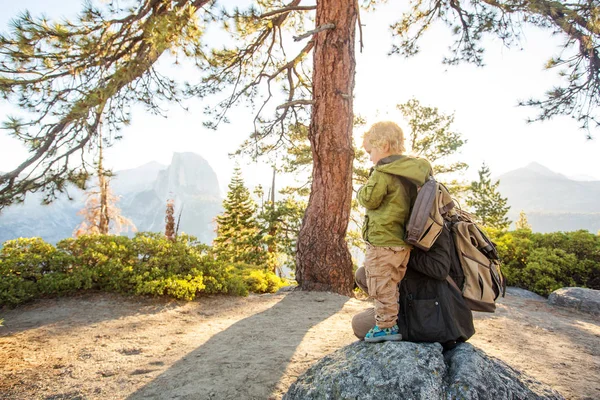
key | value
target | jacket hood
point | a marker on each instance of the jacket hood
(416, 170)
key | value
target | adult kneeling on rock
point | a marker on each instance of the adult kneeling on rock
(431, 310)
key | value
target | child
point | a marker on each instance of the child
(387, 197)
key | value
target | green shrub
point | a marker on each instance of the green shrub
(24, 262)
(548, 270)
(543, 263)
(585, 246)
(255, 281)
(176, 257)
(61, 283)
(217, 275)
(102, 262)
(148, 264)
(31, 258)
(15, 290)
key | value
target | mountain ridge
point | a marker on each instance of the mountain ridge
(552, 201)
(143, 193)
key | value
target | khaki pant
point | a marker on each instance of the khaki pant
(384, 269)
(365, 320)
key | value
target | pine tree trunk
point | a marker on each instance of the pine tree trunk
(323, 259)
(103, 183)
(104, 218)
(272, 246)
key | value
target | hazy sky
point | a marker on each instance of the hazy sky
(483, 100)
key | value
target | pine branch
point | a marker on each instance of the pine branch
(316, 30)
(71, 74)
(287, 9)
(296, 103)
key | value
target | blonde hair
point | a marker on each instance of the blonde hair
(386, 132)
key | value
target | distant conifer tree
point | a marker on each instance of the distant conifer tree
(431, 136)
(279, 222)
(101, 214)
(522, 222)
(99, 219)
(486, 202)
(238, 234)
(170, 220)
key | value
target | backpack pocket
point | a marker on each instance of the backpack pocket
(433, 229)
(425, 320)
(480, 290)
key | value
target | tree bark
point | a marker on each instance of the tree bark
(103, 184)
(323, 259)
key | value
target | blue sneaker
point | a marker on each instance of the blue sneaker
(376, 334)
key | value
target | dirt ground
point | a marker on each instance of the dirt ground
(100, 346)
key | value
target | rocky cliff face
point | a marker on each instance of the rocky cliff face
(193, 184)
(189, 174)
(143, 191)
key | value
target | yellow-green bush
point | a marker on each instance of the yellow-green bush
(184, 289)
(147, 264)
(259, 281)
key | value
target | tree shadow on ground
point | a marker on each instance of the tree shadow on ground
(247, 360)
(80, 310)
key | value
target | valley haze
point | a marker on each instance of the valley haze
(551, 201)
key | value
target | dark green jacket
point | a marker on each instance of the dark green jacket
(387, 198)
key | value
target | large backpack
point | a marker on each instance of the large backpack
(483, 281)
(431, 206)
(478, 276)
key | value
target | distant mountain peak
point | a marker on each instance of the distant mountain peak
(542, 170)
(537, 166)
(188, 173)
(143, 190)
(553, 201)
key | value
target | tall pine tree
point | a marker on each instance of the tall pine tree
(68, 75)
(279, 223)
(432, 137)
(100, 212)
(486, 202)
(238, 234)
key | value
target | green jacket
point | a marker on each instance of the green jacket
(388, 198)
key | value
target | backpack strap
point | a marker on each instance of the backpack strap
(446, 202)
